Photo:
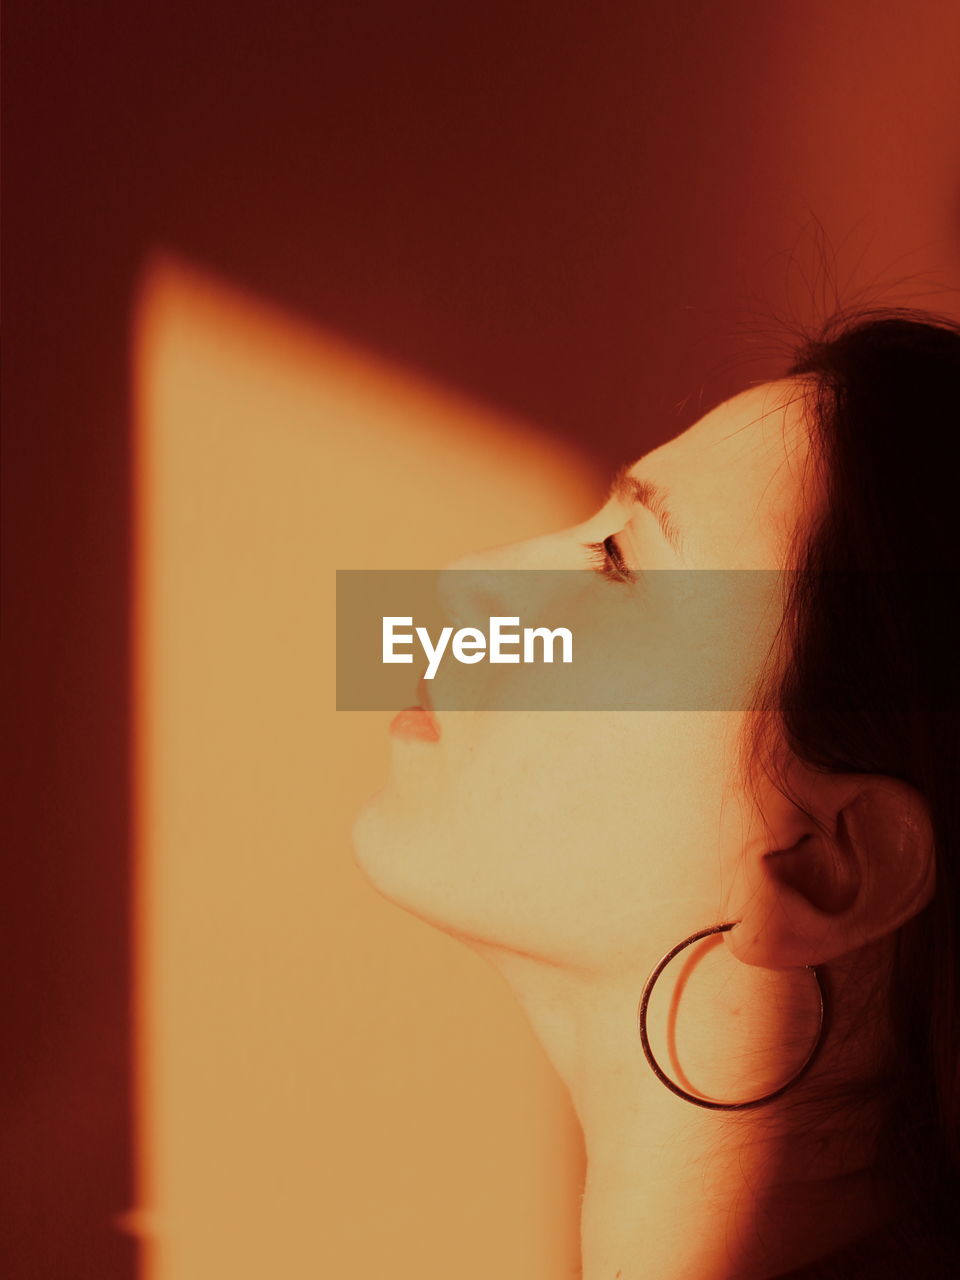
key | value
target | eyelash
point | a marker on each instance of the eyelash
(608, 561)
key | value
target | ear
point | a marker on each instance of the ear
(816, 882)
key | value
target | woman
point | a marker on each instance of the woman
(784, 1100)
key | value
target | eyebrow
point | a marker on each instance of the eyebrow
(630, 488)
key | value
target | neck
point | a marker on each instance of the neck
(674, 1190)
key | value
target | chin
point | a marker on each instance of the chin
(408, 861)
(390, 849)
(370, 837)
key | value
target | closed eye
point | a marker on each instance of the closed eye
(607, 560)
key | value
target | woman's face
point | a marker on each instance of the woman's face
(595, 839)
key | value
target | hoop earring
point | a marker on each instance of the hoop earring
(690, 1097)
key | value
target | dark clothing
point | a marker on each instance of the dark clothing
(889, 1254)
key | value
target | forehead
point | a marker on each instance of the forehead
(739, 477)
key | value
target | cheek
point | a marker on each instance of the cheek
(569, 835)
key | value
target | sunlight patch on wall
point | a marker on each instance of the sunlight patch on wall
(327, 1087)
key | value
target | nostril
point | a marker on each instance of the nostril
(464, 594)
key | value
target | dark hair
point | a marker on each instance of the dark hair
(872, 684)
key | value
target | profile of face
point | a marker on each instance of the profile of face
(594, 840)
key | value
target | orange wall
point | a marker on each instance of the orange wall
(578, 216)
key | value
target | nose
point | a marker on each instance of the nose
(519, 579)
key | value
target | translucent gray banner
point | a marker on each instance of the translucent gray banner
(554, 639)
(670, 639)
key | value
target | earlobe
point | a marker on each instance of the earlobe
(862, 865)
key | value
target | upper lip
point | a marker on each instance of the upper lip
(423, 692)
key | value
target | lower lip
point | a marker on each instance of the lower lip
(413, 724)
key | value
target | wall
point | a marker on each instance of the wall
(578, 219)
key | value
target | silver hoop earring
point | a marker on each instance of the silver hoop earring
(671, 1084)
